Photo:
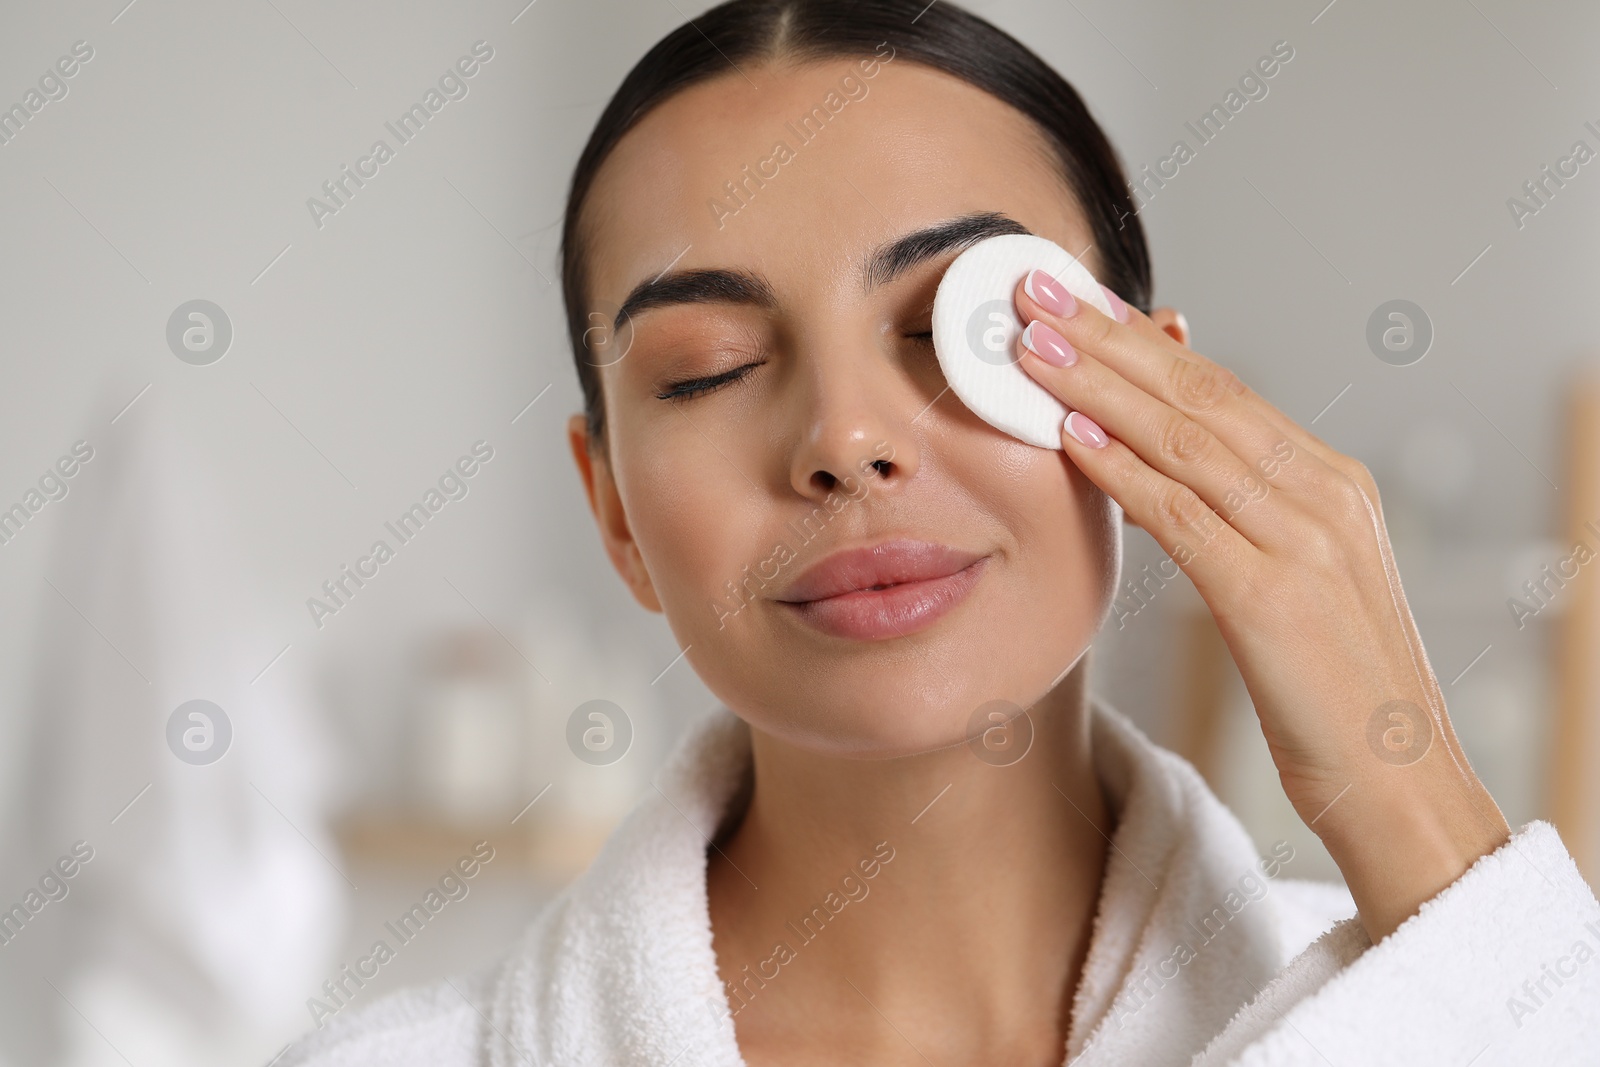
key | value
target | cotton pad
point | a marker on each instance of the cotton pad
(975, 331)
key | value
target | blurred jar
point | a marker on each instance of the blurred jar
(471, 729)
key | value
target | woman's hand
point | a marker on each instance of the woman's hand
(1282, 537)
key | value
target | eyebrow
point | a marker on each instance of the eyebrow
(897, 257)
(885, 263)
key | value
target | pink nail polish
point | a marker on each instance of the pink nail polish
(1050, 294)
(1119, 310)
(1048, 345)
(1084, 431)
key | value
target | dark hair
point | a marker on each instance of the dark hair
(940, 35)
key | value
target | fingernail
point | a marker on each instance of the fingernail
(1050, 294)
(1119, 310)
(1048, 345)
(1084, 431)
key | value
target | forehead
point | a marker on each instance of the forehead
(798, 171)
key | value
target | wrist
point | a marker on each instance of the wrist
(1401, 835)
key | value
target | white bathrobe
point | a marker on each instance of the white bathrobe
(1203, 952)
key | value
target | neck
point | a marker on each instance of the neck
(934, 899)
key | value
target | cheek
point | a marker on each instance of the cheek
(1097, 534)
(684, 503)
(1065, 545)
(1067, 532)
(699, 526)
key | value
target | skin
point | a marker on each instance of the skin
(970, 943)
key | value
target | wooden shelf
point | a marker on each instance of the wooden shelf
(547, 853)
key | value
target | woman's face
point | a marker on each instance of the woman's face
(714, 506)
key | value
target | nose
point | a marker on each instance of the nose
(854, 410)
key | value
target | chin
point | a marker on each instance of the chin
(914, 701)
(859, 727)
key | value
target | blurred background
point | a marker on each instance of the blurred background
(252, 743)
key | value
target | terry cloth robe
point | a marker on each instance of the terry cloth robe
(1202, 952)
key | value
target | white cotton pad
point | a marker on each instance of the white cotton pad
(975, 331)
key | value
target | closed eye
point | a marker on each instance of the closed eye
(692, 387)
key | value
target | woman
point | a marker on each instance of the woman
(879, 586)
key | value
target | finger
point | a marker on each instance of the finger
(1306, 441)
(1163, 437)
(1210, 551)
(1300, 436)
(1201, 389)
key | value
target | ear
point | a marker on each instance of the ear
(594, 467)
(1172, 323)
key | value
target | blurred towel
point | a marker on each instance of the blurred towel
(207, 913)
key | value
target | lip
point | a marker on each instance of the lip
(922, 581)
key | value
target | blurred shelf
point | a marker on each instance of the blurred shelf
(546, 852)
